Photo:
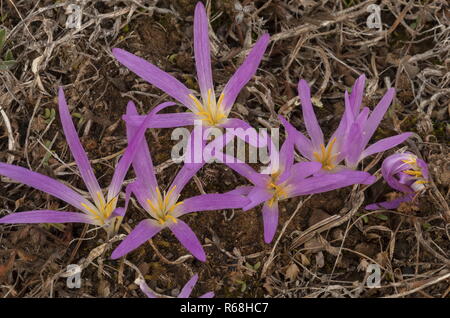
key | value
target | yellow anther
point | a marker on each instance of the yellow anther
(278, 191)
(220, 101)
(89, 209)
(325, 155)
(163, 207)
(413, 173)
(412, 161)
(211, 112)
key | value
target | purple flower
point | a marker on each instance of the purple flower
(185, 292)
(403, 172)
(210, 111)
(101, 210)
(165, 208)
(350, 139)
(287, 181)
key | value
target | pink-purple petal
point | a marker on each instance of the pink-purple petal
(188, 239)
(385, 144)
(270, 220)
(202, 51)
(212, 202)
(256, 196)
(311, 123)
(138, 236)
(357, 94)
(247, 172)
(354, 146)
(245, 132)
(76, 148)
(302, 143)
(146, 290)
(155, 76)
(171, 120)
(245, 72)
(377, 115)
(302, 170)
(329, 182)
(393, 204)
(45, 184)
(135, 144)
(46, 216)
(142, 161)
(187, 289)
(207, 295)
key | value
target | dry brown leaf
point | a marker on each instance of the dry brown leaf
(292, 272)
(5, 268)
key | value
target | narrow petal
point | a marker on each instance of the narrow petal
(214, 201)
(256, 196)
(46, 216)
(155, 76)
(311, 123)
(245, 132)
(187, 172)
(188, 239)
(142, 161)
(385, 144)
(44, 183)
(171, 120)
(246, 171)
(357, 94)
(134, 145)
(329, 182)
(377, 115)
(270, 219)
(77, 149)
(187, 289)
(355, 145)
(286, 158)
(140, 234)
(193, 159)
(202, 51)
(393, 204)
(160, 120)
(142, 193)
(303, 144)
(245, 72)
(302, 170)
(207, 295)
(145, 289)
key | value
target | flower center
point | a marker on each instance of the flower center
(210, 112)
(415, 172)
(326, 156)
(278, 192)
(163, 206)
(103, 210)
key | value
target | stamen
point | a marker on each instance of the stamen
(101, 199)
(413, 173)
(197, 103)
(163, 208)
(211, 113)
(219, 102)
(325, 156)
(89, 209)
